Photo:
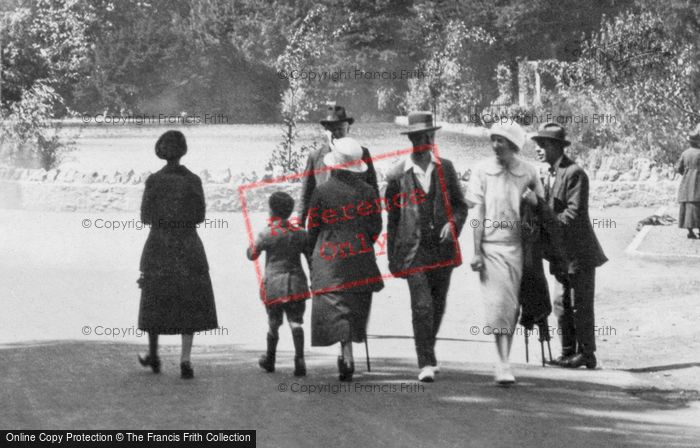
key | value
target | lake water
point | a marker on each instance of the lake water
(242, 148)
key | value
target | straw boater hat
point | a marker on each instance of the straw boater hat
(513, 132)
(552, 131)
(694, 136)
(336, 114)
(344, 152)
(420, 122)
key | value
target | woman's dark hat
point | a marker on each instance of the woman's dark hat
(420, 122)
(552, 131)
(171, 145)
(336, 114)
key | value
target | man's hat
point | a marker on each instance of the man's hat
(336, 114)
(551, 131)
(420, 122)
(344, 152)
(694, 136)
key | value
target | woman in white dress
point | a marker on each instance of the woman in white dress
(497, 186)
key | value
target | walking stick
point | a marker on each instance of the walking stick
(367, 354)
(527, 350)
(542, 350)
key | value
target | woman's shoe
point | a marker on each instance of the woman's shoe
(153, 363)
(345, 371)
(504, 376)
(186, 370)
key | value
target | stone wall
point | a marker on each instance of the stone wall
(69, 190)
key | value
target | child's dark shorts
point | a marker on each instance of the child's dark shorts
(294, 311)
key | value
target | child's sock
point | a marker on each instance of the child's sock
(298, 336)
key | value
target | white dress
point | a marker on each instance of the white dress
(500, 191)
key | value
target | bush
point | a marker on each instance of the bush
(28, 137)
(637, 72)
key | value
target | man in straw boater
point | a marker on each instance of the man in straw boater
(566, 191)
(422, 233)
(336, 125)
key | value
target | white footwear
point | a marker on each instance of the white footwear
(504, 376)
(436, 368)
(427, 374)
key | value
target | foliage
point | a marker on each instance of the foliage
(634, 70)
(295, 104)
(450, 85)
(27, 135)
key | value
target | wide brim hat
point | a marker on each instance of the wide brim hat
(694, 136)
(420, 122)
(337, 114)
(346, 154)
(513, 132)
(551, 131)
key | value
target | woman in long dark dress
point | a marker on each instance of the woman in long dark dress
(176, 291)
(344, 271)
(689, 191)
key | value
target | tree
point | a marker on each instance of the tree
(639, 71)
(295, 105)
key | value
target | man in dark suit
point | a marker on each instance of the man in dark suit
(566, 191)
(423, 232)
(337, 125)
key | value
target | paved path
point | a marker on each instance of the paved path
(61, 280)
(99, 386)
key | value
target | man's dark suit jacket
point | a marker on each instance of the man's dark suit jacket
(403, 224)
(568, 198)
(311, 181)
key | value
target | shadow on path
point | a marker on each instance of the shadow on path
(69, 385)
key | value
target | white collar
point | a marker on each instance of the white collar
(410, 163)
(492, 167)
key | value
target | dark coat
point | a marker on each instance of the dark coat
(343, 250)
(284, 279)
(541, 239)
(568, 198)
(403, 225)
(312, 180)
(689, 166)
(177, 295)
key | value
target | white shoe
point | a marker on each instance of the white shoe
(504, 376)
(436, 368)
(427, 374)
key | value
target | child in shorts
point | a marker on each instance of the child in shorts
(284, 288)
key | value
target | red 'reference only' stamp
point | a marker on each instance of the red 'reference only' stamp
(347, 212)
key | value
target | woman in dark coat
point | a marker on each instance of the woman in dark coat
(176, 291)
(689, 191)
(344, 271)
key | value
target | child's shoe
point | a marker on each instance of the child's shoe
(299, 366)
(267, 361)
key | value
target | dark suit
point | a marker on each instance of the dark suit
(311, 180)
(413, 244)
(573, 304)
